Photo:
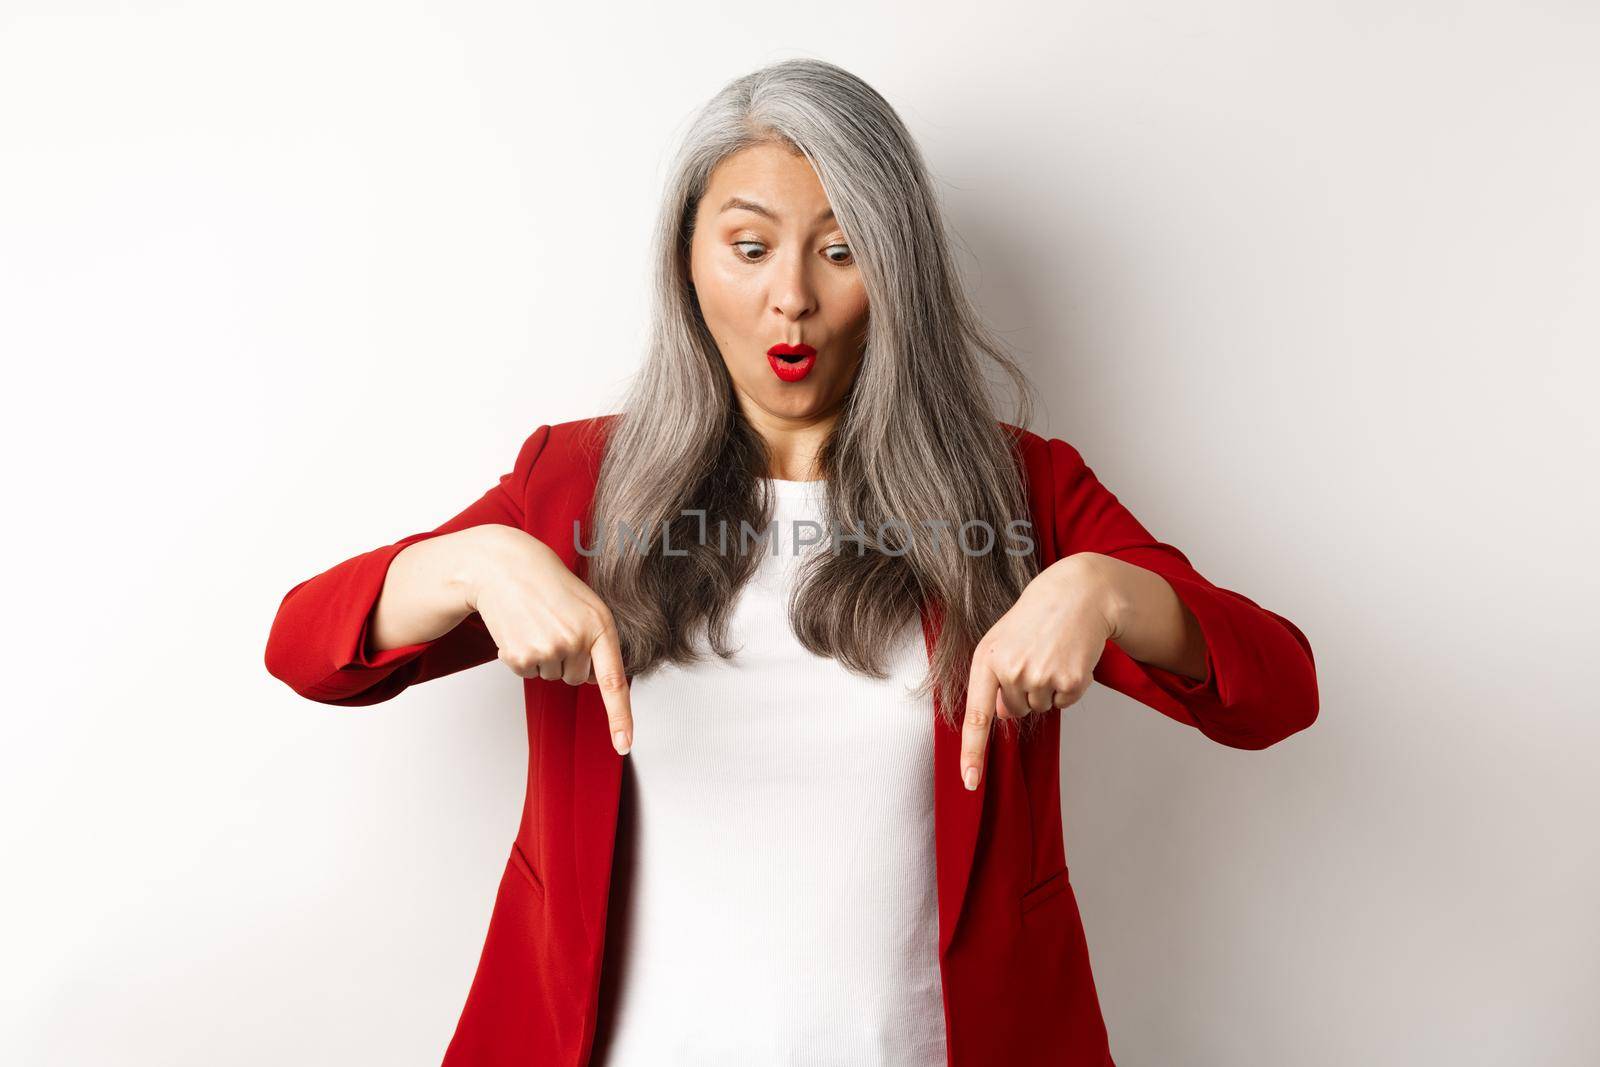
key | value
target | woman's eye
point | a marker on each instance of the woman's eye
(740, 246)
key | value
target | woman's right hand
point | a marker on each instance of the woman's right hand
(546, 621)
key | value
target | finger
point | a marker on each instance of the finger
(1065, 698)
(612, 679)
(983, 689)
(1076, 685)
(521, 663)
(1014, 700)
(576, 669)
(1041, 699)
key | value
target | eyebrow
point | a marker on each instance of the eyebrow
(737, 202)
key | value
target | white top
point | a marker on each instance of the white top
(783, 908)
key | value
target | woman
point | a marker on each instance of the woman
(840, 838)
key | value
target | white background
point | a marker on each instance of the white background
(1311, 285)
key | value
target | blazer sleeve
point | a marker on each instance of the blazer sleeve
(1261, 682)
(318, 644)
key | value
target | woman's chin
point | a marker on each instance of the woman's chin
(797, 401)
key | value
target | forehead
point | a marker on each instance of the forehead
(767, 175)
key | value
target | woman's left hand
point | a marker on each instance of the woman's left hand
(1042, 653)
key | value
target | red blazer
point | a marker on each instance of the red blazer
(1015, 971)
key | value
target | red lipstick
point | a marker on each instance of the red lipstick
(791, 362)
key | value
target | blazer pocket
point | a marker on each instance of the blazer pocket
(1047, 888)
(519, 860)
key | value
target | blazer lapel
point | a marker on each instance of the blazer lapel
(597, 782)
(596, 766)
(957, 811)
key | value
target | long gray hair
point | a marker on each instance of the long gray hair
(917, 441)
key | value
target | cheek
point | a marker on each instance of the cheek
(723, 293)
(847, 293)
(851, 303)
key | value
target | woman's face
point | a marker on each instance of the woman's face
(770, 266)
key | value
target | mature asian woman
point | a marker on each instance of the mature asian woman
(796, 628)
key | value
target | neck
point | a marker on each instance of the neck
(792, 444)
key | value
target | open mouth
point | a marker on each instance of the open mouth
(790, 366)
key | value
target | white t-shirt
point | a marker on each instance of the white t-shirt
(783, 907)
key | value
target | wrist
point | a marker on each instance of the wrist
(1096, 576)
(477, 548)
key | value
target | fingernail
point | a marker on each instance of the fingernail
(620, 739)
(970, 776)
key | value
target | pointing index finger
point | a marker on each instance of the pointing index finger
(612, 678)
(983, 688)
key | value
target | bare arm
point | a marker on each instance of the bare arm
(1148, 620)
(426, 591)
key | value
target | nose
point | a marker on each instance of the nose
(794, 293)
